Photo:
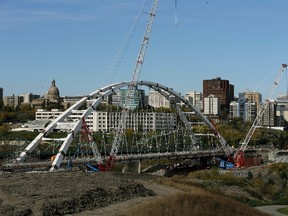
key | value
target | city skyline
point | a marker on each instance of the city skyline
(182, 93)
(74, 42)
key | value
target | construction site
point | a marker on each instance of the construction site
(115, 178)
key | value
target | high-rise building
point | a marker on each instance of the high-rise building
(195, 98)
(269, 115)
(249, 104)
(250, 111)
(114, 98)
(245, 110)
(211, 105)
(1, 94)
(12, 101)
(282, 110)
(254, 96)
(221, 89)
(157, 100)
(234, 109)
(136, 100)
(29, 97)
(242, 105)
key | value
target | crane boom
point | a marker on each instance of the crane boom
(144, 45)
(262, 110)
(132, 86)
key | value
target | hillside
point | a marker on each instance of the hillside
(83, 193)
(254, 186)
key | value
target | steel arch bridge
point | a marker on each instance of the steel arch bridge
(73, 127)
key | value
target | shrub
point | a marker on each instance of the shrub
(250, 175)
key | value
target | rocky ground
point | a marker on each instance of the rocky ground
(66, 192)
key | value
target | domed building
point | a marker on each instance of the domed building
(53, 94)
(51, 99)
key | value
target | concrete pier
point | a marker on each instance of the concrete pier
(132, 167)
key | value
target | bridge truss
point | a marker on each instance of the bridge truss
(148, 146)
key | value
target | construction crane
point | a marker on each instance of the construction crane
(131, 88)
(239, 157)
(87, 136)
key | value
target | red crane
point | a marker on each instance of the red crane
(239, 156)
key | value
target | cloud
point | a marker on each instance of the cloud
(34, 11)
(44, 15)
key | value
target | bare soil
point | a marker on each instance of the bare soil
(121, 208)
(78, 193)
(63, 193)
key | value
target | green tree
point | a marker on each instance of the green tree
(129, 135)
(55, 106)
(6, 117)
(7, 109)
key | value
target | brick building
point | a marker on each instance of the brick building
(221, 89)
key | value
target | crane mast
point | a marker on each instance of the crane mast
(132, 87)
(262, 110)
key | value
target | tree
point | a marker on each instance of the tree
(54, 106)
(129, 135)
(6, 117)
(26, 107)
(7, 109)
(4, 129)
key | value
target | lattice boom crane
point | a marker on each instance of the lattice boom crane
(263, 108)
(132, 86)
(243, 145)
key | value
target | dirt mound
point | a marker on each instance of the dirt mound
(64, 192)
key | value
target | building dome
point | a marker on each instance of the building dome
(53, 92)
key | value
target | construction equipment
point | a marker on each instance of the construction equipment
(91, 168)
(87, 136)
(225, 164)
(131, 88)
(239, 156)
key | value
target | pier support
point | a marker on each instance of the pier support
(132, 167)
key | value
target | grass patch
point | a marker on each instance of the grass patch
(237, 188)
(280, 201)
(283, 211)
(204, 193)
(199, 203)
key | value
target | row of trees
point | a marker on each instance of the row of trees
(233, 130)
(236, 130)
(19, 115)
(10, 116)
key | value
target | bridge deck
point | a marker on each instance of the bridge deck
(45, 165)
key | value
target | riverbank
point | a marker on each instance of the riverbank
(84, 193)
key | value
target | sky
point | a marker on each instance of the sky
(77, 43)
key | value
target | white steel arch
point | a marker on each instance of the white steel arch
(97, 96)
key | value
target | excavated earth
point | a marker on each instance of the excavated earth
(61, 193)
